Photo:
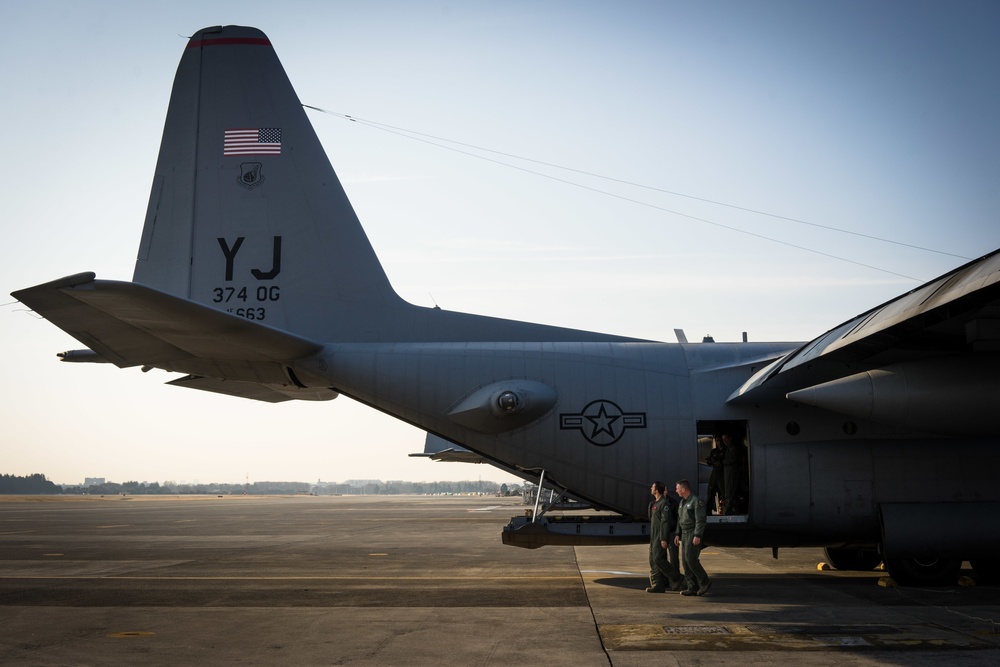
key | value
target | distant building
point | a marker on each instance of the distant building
(92, 481)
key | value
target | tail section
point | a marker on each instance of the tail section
(246, 213)
(251, 255)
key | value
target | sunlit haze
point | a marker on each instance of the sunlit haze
(874, 118)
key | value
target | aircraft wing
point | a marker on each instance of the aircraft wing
(131, 325)
(956, 316)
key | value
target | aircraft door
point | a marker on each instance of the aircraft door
(724, 466)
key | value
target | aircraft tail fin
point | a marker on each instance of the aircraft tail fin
(246, 213)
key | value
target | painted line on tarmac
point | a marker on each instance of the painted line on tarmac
(300, 578)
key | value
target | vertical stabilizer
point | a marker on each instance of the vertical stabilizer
(246, 213)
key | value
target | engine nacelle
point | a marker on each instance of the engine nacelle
(947, 395)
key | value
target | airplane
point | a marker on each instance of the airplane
(254, 278)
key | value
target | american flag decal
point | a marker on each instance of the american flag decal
(252, 141)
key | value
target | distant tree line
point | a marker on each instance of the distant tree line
(38, 484)
(410, 488)
(31, 484)
(172, 488)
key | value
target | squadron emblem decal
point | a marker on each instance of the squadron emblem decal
(250, 176)
(602, 422)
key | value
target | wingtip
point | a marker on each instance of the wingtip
(74, 280)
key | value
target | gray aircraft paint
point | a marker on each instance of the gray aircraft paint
(255, 278)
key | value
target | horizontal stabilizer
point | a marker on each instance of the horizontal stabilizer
(132, 325)
(253, 390)
(437, 448)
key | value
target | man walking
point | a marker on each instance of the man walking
(663, 569)
(690, 528)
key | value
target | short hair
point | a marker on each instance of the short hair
(659, 487)
(686, 484)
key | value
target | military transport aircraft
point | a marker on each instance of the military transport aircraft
(877, 440)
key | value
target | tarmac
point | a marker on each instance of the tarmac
(417, 580)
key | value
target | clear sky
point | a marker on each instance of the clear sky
(878, 118)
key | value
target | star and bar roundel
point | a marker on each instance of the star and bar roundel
(602, 422)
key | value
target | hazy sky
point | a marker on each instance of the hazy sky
(878, 118)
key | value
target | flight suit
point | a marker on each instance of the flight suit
(664, 571)
(716, 480)
(734, 469)
(691, 522)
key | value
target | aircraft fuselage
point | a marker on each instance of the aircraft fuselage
(593, 416)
